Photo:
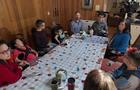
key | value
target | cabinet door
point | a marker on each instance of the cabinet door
(135, 32)
(59, 11)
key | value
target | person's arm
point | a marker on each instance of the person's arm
(82, 25)
(35, 52)
(56, 38)
(14, 56)
(116, 74)
(37, 40)
(111, 41)
(19, 59)
(123, 45)
(94, 27)
(106, 28)
(9, 77)
(72, 27)
(32, 50)
(46, 31)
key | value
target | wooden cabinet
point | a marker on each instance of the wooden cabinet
(135, 32)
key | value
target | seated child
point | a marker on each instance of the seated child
(9, 72)
(22, 51)
(59, 36)
(40, 36)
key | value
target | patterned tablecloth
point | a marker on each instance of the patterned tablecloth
(78, 58)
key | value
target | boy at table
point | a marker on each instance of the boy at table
(9, 72)
(100, 26)
(40, 36)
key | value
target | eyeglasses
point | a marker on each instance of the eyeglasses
(5, 51)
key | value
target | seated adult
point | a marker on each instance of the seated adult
(99, 80)
(21, 51)
(100, 26)
(127, 77)
(120, 41)
(40, 37)
(9, 72)
(76, 24)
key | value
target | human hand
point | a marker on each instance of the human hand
(20, 67)
(23, 63)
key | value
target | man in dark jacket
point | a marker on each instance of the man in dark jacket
(40, 37)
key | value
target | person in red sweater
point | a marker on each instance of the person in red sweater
(9, 72)
(22, 52)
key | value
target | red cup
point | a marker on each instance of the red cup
(71, 83)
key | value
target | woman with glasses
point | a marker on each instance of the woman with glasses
(9, 72)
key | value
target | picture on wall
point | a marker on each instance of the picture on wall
(87, 4)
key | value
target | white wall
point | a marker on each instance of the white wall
(138, 1)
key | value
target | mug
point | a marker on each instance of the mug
(54, 84)
(71, 83)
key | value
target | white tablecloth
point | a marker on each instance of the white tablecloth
(78, 58)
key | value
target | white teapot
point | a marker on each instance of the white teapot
(61, 76)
